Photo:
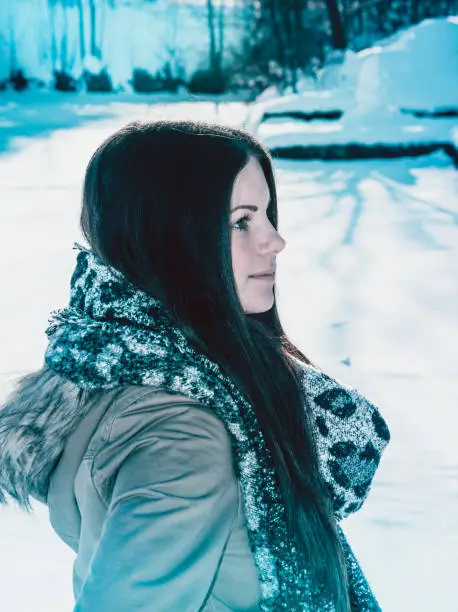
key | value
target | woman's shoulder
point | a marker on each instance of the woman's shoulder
(46, 417)
(138, 413)
(144, 406)
(179, 437)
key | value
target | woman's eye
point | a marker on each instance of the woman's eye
(243, 222)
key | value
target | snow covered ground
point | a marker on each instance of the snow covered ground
(367, 288)
(373, 128)
(414, 70)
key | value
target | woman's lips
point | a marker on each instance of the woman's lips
(268, 277)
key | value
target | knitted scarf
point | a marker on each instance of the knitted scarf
(113, 334)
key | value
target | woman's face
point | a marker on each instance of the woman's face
(255, 242)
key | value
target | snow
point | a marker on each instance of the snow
(305, 102)
(371, 88)
(92, 64)
(366, 287)
(340, 71)
(454, 137)
(359, 126)
(401, 65)
(423, 54)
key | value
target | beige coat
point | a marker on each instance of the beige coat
(146, 495)
(140, 482)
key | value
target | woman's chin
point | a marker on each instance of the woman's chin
(259, 306)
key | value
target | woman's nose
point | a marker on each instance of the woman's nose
(273, 243)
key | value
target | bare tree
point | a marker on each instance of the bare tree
(51, 13)
(94, 49)
(213, 59)
(221, 26)
(12, 41)
(64, 38)
(215, 20)
(282, 39)
(337, 27)
(81, 32)
(216, 27)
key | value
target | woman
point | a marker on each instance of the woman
(189, 453)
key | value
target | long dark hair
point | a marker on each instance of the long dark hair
(156, 205)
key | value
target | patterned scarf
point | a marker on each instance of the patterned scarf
(113, 334)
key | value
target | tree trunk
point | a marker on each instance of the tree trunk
(338, 33)
(221, 33)
(297, 58)
(93, 28)
(277, 31)
(12, 41)
(213, 58)
(82, 38)
(51, 9)
(64, 39)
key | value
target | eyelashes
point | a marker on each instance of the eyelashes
(244, 220)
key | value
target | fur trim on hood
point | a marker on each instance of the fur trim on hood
(35, 422)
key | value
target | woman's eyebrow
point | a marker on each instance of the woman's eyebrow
(253, 208)
(250, 207)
